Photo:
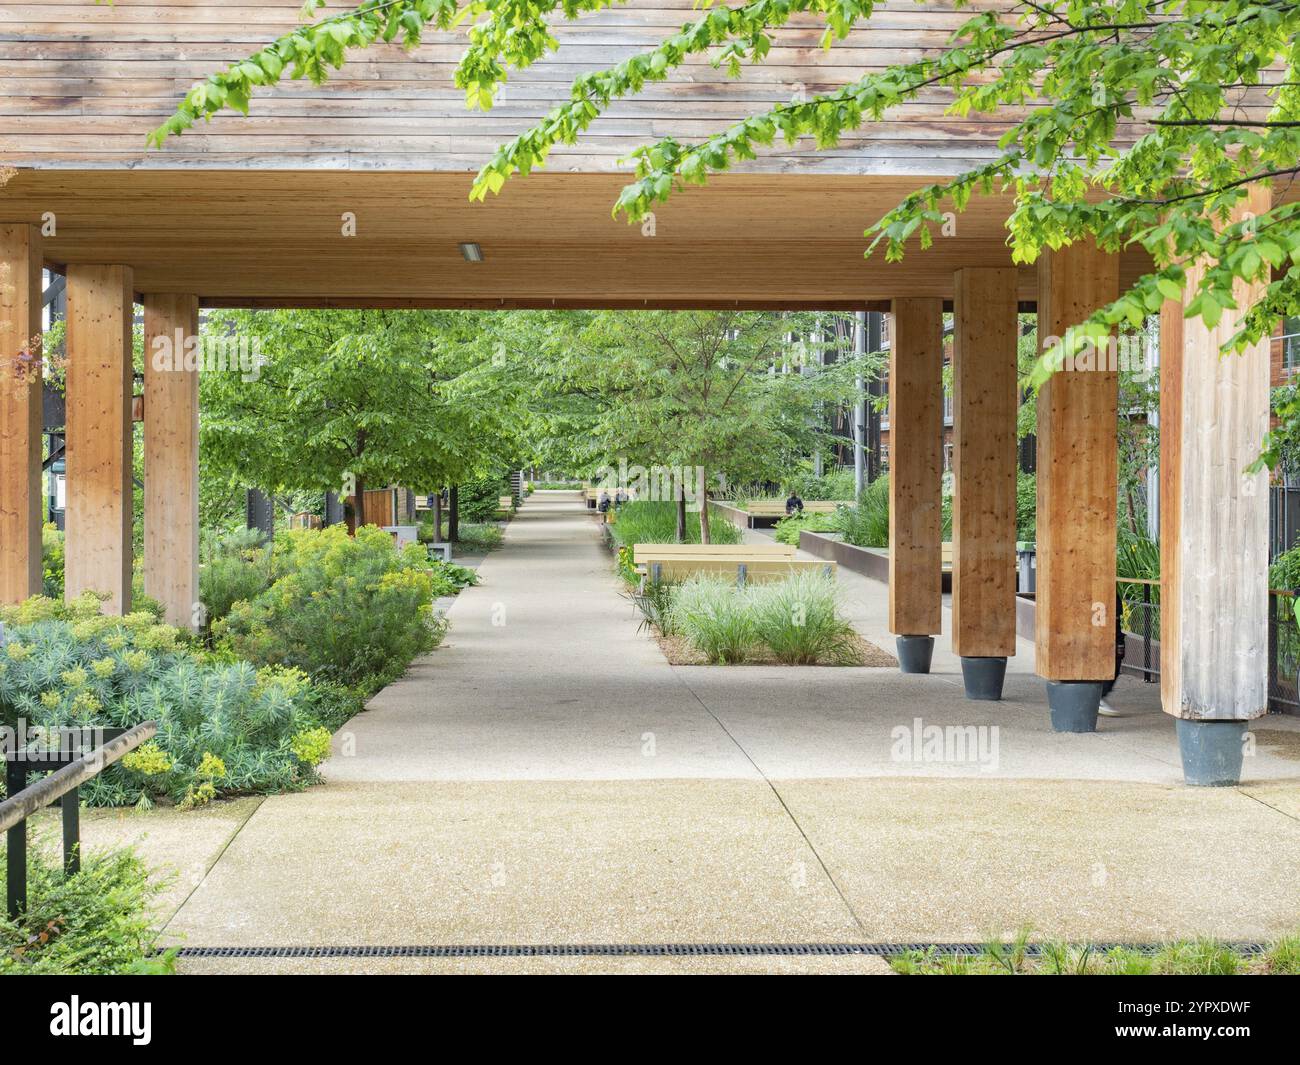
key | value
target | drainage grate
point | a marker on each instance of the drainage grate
(637, 950)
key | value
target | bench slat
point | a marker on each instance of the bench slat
(640, 552)
(756, 570)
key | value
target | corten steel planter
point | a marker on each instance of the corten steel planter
(1073, 704)
(1211, 751)
(871, 562)
(915, 653)
(983, 677)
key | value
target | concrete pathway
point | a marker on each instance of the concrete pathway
(546, 778)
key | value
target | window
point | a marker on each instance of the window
(1291, 344)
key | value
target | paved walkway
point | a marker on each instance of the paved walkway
(546, 777)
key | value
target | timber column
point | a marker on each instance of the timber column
(1077, 470)
(1214, 412)
(915, 479)
(20, 412)
(100, 439)
(171, 456)
(984, 371)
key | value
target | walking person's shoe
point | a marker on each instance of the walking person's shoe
(1106, 710)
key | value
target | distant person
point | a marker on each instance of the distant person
(1106, 709)
(603, 504)
(793, 505)
(620, 497)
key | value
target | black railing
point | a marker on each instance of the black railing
(73, 765)
(1140, 621)
(1283, 653)
(1283, 519)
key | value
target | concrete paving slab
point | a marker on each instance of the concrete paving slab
(861, 965)
(542, 676)
(1283, 797)
(517, 862)
(178, 846)
(1101, 860)
(546, 777)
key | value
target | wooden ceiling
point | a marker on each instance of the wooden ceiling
(82, 83)
(275, 238)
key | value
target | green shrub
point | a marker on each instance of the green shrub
(353, 610)
(52, 558)
(477, 536)
(474, 536)
(101, 671)
(800, 619)
(1197, 957)
(1284, 573)
(450, 574)
(477, 500)
(867, 523)
(655, 599)
(1026, 506)
(1139, 558)
(96, 923)
(1283, 957)
(715, 617)
(655, 522)
(836, 484)
(233, 568)
(788, 529)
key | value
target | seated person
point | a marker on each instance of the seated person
(793, 505)
(603, 504)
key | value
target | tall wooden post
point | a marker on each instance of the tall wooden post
(915, 478)
(171, 456)
(20, 412)
(1214, 412)
(984, 376)
(1077, 470)
(98, 549)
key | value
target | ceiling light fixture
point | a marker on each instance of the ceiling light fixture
(471, 252)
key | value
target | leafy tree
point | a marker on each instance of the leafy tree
(1214, 83)
(346, 399)
(716, 392)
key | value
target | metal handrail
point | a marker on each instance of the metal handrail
(60, 786)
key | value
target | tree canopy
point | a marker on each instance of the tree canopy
(355, 398)
(1186, 69)
(714, 396)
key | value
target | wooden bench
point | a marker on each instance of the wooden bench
(774, 509)
(642, 552)
(505, 502)
(742, 570)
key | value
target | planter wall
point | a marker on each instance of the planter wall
(871, 562)
(735, 515)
